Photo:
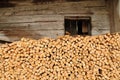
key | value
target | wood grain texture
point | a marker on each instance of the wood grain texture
(33, 20)
(37, 34)
(32, 26)
(56, 8)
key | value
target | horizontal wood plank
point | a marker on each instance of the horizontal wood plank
(100, 31)
(98, 10)
(28, 19)
(32, 26)
(82, 2)
(56, 8)
(16, 35)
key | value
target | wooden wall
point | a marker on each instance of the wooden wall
(47, 20)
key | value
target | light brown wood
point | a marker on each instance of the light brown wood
(34, 18)
(37, 34)
(32, 26)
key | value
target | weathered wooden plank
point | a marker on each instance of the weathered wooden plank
(55, 8)
(28, 19)
(44, 18)
(100, 21)
(32, 26)
(116, 15)
(100, 17)
(46, 12)
(83, 3)
(16, 35)
(30, 32)
(77, 10)
(100, 25)
(100, 31)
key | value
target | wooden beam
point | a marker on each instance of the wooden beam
(119, 8)
(116, 15)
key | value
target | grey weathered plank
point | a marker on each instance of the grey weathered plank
(81, 10)
(30, 32)
(100, 21)
(100, 17)
(44, 18)
(100, 31)
(32, 26)
(16, 35)
(34, 18)
(26, 3)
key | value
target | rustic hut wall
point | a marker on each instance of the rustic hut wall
(47, 20)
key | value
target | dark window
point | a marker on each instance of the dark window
(78, 25)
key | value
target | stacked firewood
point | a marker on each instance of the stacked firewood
(64, 58)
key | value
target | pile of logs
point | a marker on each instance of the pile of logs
(64, 58)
